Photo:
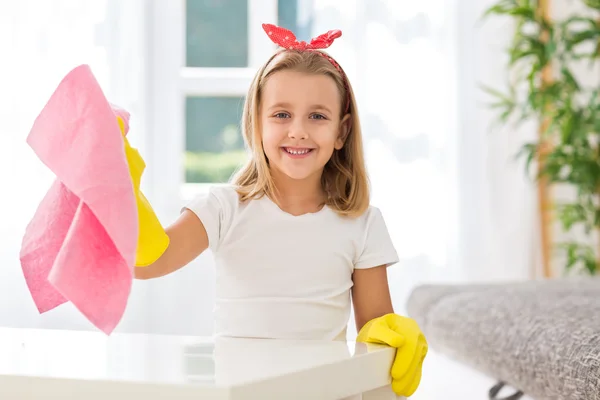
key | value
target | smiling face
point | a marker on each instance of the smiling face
(294, 106)
(300, 123)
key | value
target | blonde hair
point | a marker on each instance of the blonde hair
(344, 177)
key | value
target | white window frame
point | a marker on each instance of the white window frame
(171, 82)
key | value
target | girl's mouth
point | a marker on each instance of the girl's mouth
(296, 152)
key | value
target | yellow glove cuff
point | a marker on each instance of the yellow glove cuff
(152, 238)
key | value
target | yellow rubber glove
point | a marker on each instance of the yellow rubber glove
(405, 335)
(152, 238)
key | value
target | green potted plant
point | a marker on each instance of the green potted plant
(543, 55)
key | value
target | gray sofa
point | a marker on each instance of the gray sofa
(541, 338)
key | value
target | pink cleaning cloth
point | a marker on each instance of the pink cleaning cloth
(80, 245)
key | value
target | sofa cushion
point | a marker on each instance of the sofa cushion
(541, 337)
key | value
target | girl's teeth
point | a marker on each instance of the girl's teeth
(297, 152)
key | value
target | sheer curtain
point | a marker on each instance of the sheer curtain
(41, 40)
(498, 235)
(458, 207)
(401, 59)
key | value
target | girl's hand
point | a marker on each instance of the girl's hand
(405, 335)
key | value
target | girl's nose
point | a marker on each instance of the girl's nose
(298, 131)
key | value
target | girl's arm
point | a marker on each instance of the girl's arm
(187, 240)
(370, 295)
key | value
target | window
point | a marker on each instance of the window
(223, 46)
(214, 147)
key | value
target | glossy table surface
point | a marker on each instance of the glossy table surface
(55, 364)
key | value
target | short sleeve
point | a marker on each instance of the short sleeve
(214, 209)
(378, 248)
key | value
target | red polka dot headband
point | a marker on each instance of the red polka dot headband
(287, 40)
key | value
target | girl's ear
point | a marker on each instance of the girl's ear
(344, 130)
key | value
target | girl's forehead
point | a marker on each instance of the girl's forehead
(292, 86)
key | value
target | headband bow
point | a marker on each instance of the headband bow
(286, 38)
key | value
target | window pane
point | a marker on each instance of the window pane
(217, 33)
(214, 143)
(296, 16)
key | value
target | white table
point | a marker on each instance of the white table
(54, 364)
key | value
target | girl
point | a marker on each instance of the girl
(294, 237)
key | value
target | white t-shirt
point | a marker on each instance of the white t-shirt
(283, 276)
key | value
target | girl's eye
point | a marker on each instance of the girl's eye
(281, 115)
(318, 116)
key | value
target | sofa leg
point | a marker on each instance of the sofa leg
(498, 387)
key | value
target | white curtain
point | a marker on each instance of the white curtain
(400, 58)
(497, 205)
(40, 41)
(457, 206)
